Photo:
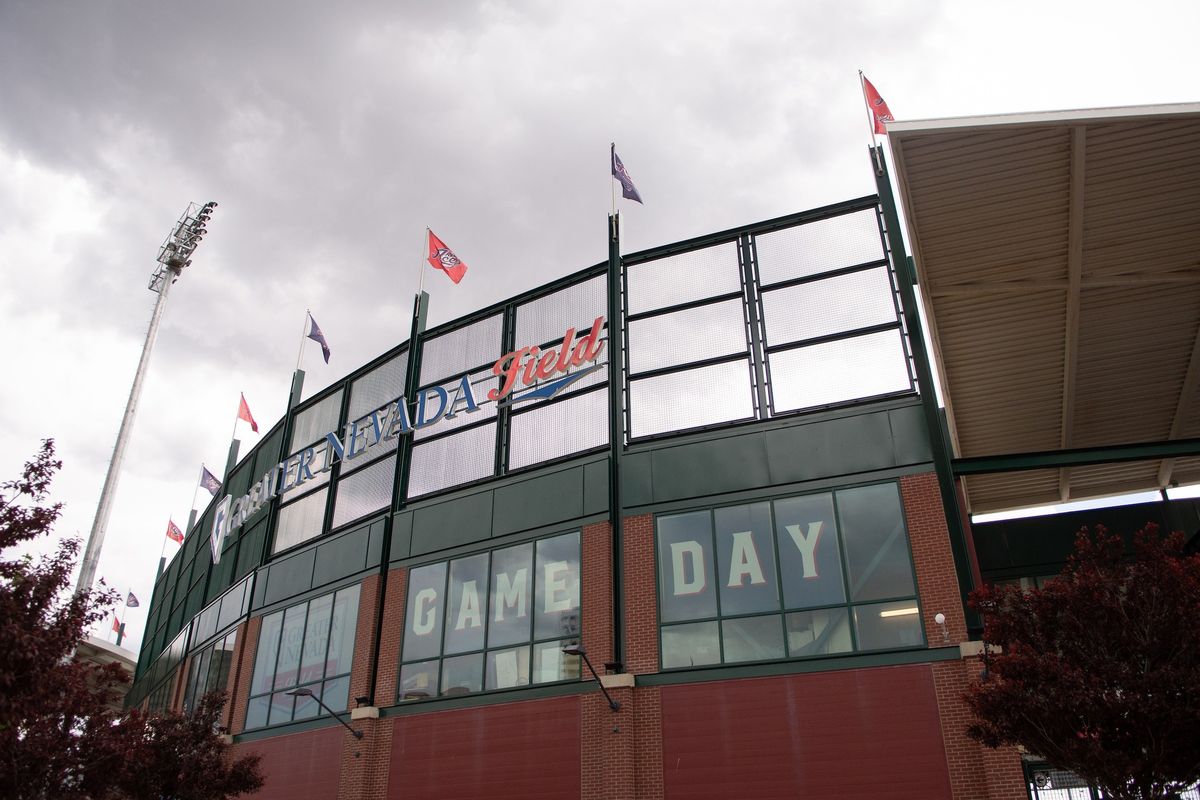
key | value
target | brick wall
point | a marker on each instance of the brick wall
(596, 588)
(364, 639)
(300, 766)
(976, 772)
(245, 670)
(937, 581)
(648, 744)
(233, 680)
(388, 672)
(366, 762)
(641, 599)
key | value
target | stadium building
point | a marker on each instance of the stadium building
(692, 522)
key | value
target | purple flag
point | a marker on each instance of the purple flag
(132, 601)
(209, 481)
(315, 334)
(628, 190)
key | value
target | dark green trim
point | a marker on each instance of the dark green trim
(494, 697)
(1080, 456)
(616, 435)
(288, 728)
(727, 672)
(304, 597)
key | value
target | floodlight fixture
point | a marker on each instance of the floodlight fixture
(577, 649)
(304, 691)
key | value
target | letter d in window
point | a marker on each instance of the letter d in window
(684, 554)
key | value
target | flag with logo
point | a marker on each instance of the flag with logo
(244, 412)
(880, 113)
(628, 190)
(314, 333)
(209, 481)
(443, 258)
(116, 625)
(173, 532)
(131, 601)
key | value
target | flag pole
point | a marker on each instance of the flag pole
(421, 262)
(862, 85)
(612, 161)
(303, 336)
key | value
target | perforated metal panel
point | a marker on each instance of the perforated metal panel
(829, 306)
(314, 422)
(548, 318)
(833, 372)
(820, 246)
(552, 431)
(452, 460)
(682, 278)
(481, 383)
(691, 399)
(300, 521)
(466, 348)
(364, 492)
(379, 386)
(687, 336)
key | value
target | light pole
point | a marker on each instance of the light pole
(307, 692)
(174, 254)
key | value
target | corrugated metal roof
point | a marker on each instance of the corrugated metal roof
(1059, 261)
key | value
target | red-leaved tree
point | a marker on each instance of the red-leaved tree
(60, 735)
(1098, 672)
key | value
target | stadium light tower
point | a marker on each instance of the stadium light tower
(173, 256)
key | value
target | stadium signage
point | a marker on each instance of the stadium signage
(529, 373)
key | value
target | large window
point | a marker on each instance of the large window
(309, 645)
(209, 670)
(494, 620)
(804, 576)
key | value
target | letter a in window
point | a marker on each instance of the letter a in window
(743, 561)
(468, 608)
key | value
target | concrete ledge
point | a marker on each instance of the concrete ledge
(364, 712)
(226, 738)
(624, 680)
(975, 649)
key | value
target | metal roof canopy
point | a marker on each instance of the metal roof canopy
(1059, 261)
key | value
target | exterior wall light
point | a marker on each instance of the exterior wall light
(578, 650)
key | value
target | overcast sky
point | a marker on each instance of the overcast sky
(332, 134)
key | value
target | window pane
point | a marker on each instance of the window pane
(876, 545)
(300, 521)
(335, 693)
(281, 708)
(315, 421)
(550, 664)
(861, 366)
(256, 711)
(381, 385)
(811, 633)
(316, 639)
(307, 707)
(557, 598)
(746, 557)
(462, 675)
(512, 590)
(753, 638)
(888, 625)
(268, 650)
(422, 627)
(690, 645)
(364, 492)
(287, 670)
(467, 597)
(341, 638)
(418, 681)
(685, 566)
(808, 551)
(508, 668)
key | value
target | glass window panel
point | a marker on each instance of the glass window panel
(453, 460)
(282, 705)
(256, 711)
(313, 476)
(829, 306)
(686, 336)
(423, 617)
(316, 639)
(461, 350)
(556, 601)
(551, 664)
(820, 632)
(746, 559)
(682, 278)
(212, 676)
(820, 246)
(300, 521)
(752, 638)
(364, 492)
(511, 595)
(548, 318)
(877, 557)
(307, 707)
(268, 651)
(462, 675)
(686, 567)
(233, 605)
(288, 667)
(335, 693)
(379, 386)
(418, 681)
(315, 421)
(559, 429)
(224, 652)
(834, 372)
(691, 399)
(508, 668)
(690, 645)
(808, 551)
(341, 638)
(467, 604)
(886, 625)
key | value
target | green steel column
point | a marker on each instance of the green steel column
(616, 429)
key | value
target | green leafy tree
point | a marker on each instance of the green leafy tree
(1098, 672)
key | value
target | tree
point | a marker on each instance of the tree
(59, 735)
(1098, 672)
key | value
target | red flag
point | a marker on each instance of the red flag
(441, 257)
(244, 413)
(173, 532)
(880, 112)
(116, 625)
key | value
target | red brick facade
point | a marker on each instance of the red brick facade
(641, 596)
(937, 581)
(595, 585)
(976, 772)
(388, 672)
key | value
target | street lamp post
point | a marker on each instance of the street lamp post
(174, 254)
(307, 692)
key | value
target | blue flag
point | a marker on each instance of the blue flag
(209, 481)
(315, 334)
(132, 601)
(628, 190)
